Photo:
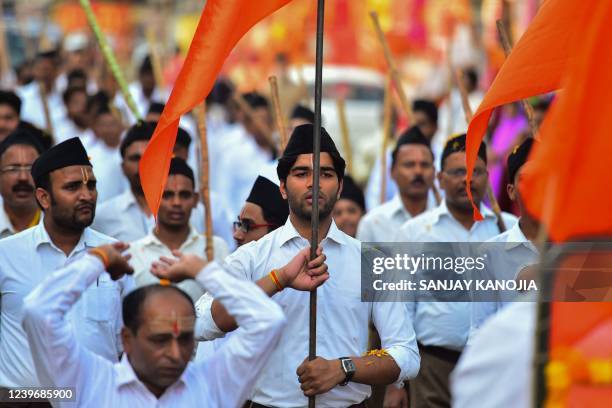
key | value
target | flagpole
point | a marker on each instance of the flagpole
(316, 153)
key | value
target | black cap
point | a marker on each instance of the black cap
(20, 137)
(518, 157)
(457, 144)
(183, 138)
(353, 192)
(300, 142)
(302, 112)
(68, 153)
(266, 194)
(411, 136)
(180, 166)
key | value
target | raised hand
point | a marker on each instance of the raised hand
(115, 262)
(184, 266)
(301, 274)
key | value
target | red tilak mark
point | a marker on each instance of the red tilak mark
(175, 328)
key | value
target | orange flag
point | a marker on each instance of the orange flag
(534, 67)
(568, 187)
(222, 24)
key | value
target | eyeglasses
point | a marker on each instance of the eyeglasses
(16, 169)
(246, 225)
(461, 172)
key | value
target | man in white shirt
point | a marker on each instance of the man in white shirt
(66, 191)
(442, 327)
(412, 169)
(75, 123)
(242, 162)
(173, 232)
(157, 336)
(19, 209)
(350, 207)
(426, 119)
(508, 260)
(127, 217)
(45, 71)
(341, 376)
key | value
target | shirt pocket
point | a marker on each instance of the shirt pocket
(102, 301)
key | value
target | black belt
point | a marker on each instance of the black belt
(443, 353)
(251, 404)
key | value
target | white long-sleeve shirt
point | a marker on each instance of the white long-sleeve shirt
(26, 259)
(342, 318)
(221, 380)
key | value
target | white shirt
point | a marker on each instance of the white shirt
(495, 370)
(446, 324)
(122, 218)
(67, 129)
(372, 193)
(106, 162)
(150, 249)
(142, 102)
(26, 259)
(239, 170)
(222, 380)
(6, 228)
(380, 224)
(342, 318)
(505, 263)
(32, 109)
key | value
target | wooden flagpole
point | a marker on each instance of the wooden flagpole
(155, 58)
(344, 130)
(316, 149)
(278, 112)
(467, 109)
(387, 108)
(200, 112)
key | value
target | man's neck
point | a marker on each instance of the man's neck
(414, 205)
(529, 227)
(21, 217)
(465, 218)
(172, 239)
(63, 238)
(304, 227)
(142, 202)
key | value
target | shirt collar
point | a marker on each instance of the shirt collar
(41, 236)
(126, 375)
(5, 223)
(397, 206)
(517, 238)
(288, 232)
(151, 239)
(442, 210)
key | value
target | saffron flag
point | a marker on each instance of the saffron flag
(222, 24)
(534, 67)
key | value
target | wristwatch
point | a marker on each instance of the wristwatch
(348, 366)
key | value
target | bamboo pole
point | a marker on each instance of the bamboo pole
(395, 76)
(4, 50)
(109, 57)
(45, 104)
(507, 45)
(200, 112)
(467, 109)
(344, 131)
(387, 109)
(280, 118)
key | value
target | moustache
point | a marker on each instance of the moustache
(418, 180)
(23, 186)
(86, 206)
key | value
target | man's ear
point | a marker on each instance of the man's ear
(43, 197)
(283, 190)
(511, 190)
(127, 337)
(340, 186)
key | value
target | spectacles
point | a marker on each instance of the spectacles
(246, 225)
(461, 172)
(16, 169)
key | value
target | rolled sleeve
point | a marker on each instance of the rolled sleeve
(397, 337)
(206, 328)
